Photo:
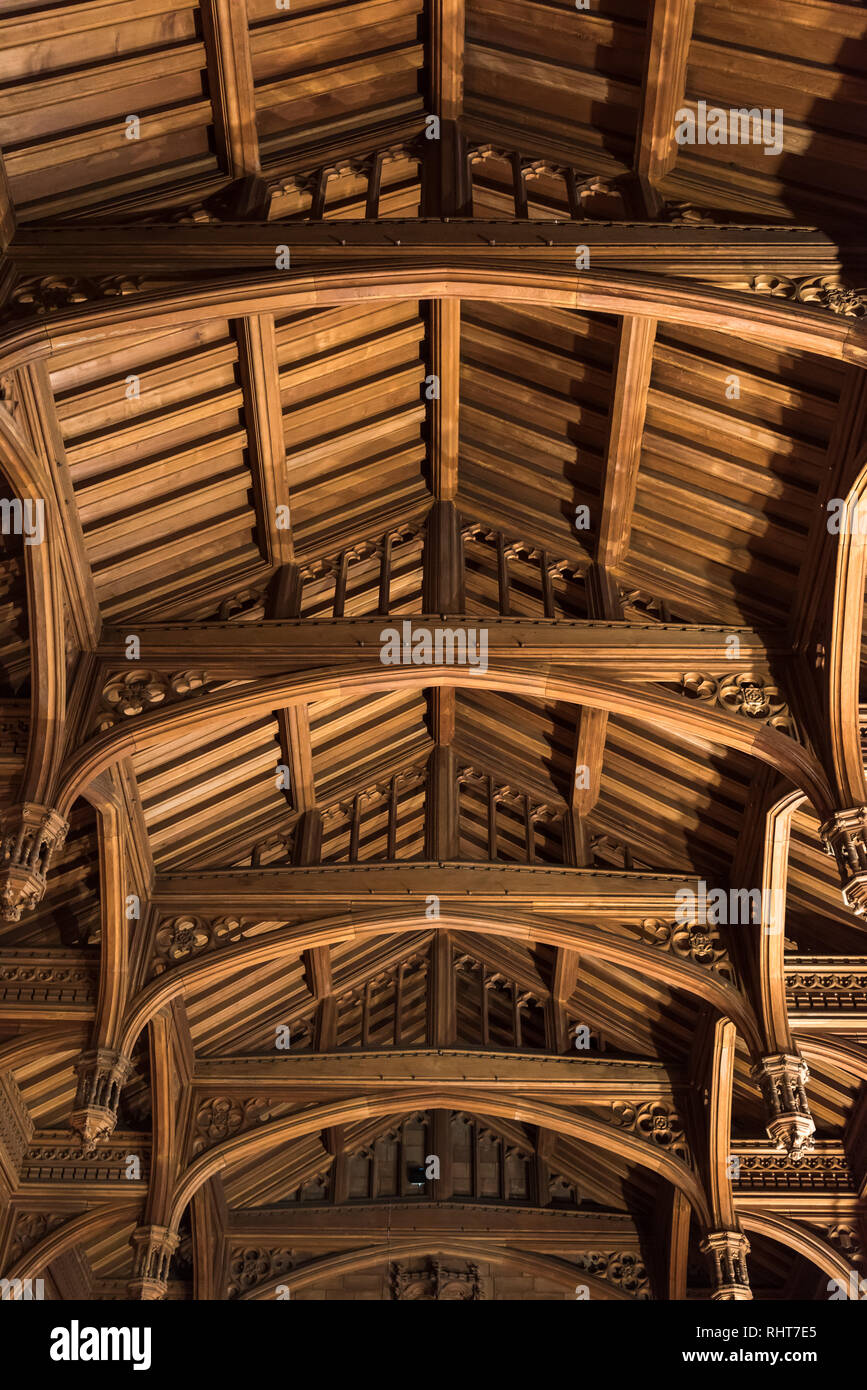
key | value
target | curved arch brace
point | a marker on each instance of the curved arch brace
(799, 1239)
(845, 653)
(679, 974)
(683, 718)
(89, 1223)
(433, 276)
(309, 1121)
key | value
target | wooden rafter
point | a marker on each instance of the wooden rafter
(669, 34)
(225, 24)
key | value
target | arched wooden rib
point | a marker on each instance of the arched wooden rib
(719, 1121)
(782, 324)
(71, 1233)
(24, 472)
(802, 1241)
(844, 660)
(245, 1146)
(834, 1052)
(772, 941)
(686, 719)
(648, 960)
(349, 1261)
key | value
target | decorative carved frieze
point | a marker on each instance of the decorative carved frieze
(782, 1079)
(699, 944)
(758, 1167)
(252, 1266)
(625, 1271)
(48, 294)
(819, 291)
(153, 1248)
(746, 693)
(101, 1076)
(727, 1255)
(221, 1117)
(835, 984)
(138, 692)
(654, 1122)
(30, 836)
(54, 1159)
(47, 978)
(845, 837)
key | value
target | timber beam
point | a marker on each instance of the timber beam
(654, 651)
(534, 1227)
(573, 1079)
(658, 248)
(361, 888)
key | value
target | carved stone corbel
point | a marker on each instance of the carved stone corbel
(727, 1255)
(782, 1079)
(101, 1077)
(845, 837)
(30, 836)
(153, 1248)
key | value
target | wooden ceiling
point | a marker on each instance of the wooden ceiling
(286, 372)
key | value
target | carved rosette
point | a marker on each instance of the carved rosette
(782, 1079)
(180, 938)
(101, 1077)
(626, 1271)
(748, 694)
(845, 837)
(654, 1122)
(153, 1248)
(819, 291)
(727, 1255)
(699, 944)
(138, 691)
(30, 836)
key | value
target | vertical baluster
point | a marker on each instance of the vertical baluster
(520, 186)
(398, 1006)
(572, 195)
(516, 1016)
(340, 584)
(354, 829)
(503, 575)
(483, 1007)
(374, 183)
(529, 834)
(547, 586)
(317, 206)
(385, 575)
(391, 851)
(492, 821)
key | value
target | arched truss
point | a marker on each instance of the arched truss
(694, 979)
(789, 326)
(261, 1140)
(682, 718)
